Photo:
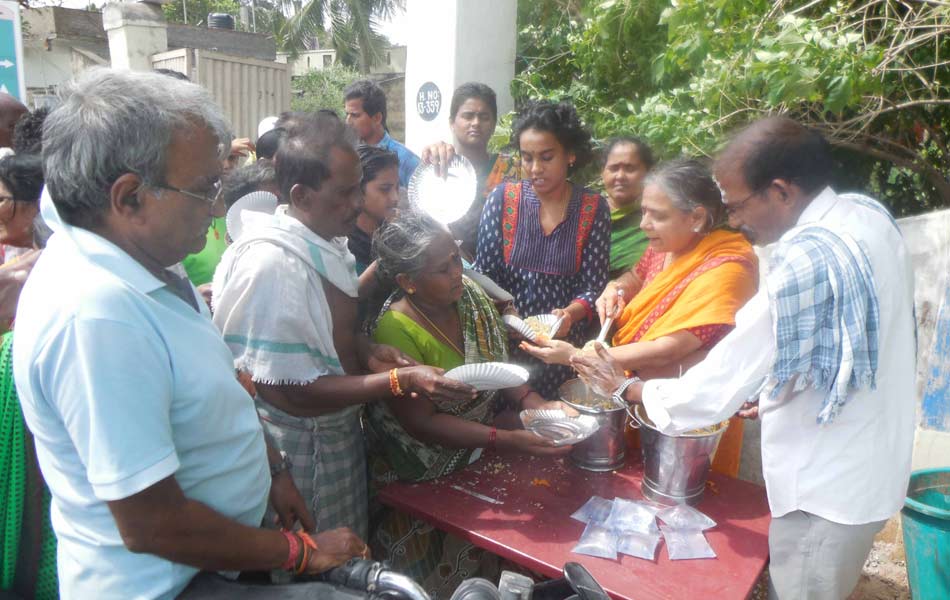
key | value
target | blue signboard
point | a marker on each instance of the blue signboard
(11, 51)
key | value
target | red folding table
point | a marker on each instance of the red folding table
(519, 508)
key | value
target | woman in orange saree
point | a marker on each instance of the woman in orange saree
(682, 297)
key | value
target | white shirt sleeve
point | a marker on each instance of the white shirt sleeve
(112, 386)
(732, 373)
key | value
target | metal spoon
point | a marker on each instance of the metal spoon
(603, 330)
(608, 322)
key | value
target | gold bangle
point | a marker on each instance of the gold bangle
(394, 386)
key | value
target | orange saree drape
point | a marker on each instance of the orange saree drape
(705, 287)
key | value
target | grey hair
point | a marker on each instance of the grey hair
(401, 244)
(115, 122)
(689, 185)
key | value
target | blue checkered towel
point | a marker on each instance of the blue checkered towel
(826, 316)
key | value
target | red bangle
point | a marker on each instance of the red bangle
(308, 546)
(492, 437)
(293, 551)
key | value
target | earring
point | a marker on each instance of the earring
(411, 291)
(697, 229)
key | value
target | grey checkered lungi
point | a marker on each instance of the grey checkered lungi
(329, 463)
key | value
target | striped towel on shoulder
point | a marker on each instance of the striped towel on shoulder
(826, 317)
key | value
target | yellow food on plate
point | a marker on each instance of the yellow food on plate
(589, 347)
(540, 330)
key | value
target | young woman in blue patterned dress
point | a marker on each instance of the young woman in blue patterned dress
(544, 239)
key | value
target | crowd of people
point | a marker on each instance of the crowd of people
(224, 347)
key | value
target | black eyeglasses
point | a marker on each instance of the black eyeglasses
(732, 209)
(211, 197)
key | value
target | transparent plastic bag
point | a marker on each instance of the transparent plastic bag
(683, 544)
(597, 540)
(683, 516)
(627, 515)
(641, 545)
(595, 510)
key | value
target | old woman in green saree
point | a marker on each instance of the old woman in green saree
(442, 319)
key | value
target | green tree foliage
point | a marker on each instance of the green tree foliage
(684, 73)
(351, 25)
(323, 89)
(348, 26)
(198, 10)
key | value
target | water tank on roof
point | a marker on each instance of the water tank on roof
(220, 21)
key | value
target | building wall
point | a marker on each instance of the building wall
(394, 61)
(317, 60)
(246, 89)
(395, 88)
(225, 41)
(44, 69)
(928, 238)
(311, 60)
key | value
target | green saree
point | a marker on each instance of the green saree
(439, 562)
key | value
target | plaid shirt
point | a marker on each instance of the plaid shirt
(826, 316)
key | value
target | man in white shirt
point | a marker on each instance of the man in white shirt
(836, 449)
(152, 450)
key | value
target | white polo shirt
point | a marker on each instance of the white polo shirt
(855, 469)
(123, 384)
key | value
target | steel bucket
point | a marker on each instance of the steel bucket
(675, 468)
(605, 450)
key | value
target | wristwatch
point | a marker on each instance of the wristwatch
(617, 396)
(279, 467)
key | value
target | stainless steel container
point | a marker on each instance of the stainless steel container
(675, 468)
(605, 449)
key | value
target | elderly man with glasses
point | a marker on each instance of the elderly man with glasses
(152, 450)
(825, 353)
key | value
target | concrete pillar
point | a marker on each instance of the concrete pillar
(136, 31)
(452, 42)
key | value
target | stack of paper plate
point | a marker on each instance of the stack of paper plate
(490, 375)
(445, 199)
(558, 427)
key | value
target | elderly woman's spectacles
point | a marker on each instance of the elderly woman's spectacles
(211, 196)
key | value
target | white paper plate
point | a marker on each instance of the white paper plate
(518, 325)
(258, 202)
(547, 321)
(444, 199)
(490, 376)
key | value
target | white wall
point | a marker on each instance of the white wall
(451, 42)
(487, 40)
(44, 68)
(396, 62)
(928, 239)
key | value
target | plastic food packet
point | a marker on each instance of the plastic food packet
(641, 545)
(627, 515)
(684, 517)
(595, 510)
(597, 540)
(683, 544)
